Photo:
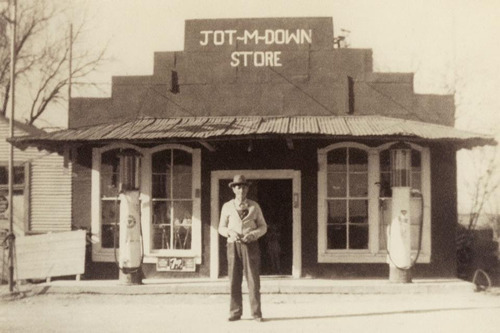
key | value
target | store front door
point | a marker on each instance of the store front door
(277, 192)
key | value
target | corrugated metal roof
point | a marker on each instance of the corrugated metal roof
(230, 126)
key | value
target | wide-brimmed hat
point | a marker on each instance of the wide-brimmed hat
(239, 180)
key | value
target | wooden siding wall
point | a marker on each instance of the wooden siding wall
(49, 187)
(50, 194)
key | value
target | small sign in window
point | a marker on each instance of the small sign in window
(172, 264)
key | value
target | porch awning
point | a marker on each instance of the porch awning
(227, 127)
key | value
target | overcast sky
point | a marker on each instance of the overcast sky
(451, 46)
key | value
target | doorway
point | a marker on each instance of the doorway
(276, 246)
(278, 194)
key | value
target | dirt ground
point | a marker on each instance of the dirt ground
(467, 312)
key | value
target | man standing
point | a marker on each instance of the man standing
(242, 223)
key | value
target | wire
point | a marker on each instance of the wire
(302, 91)
(408, 111)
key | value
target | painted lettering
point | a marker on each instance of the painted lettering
(218, 37)
(279, 36)
(257, 59)
(230, 33)
(268, 37)
(235, 60)
(306, 36)
(295, 37)
(204, 42)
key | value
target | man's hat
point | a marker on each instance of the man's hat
(239, 180)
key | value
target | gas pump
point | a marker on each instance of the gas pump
(399, 230)
(131, 251)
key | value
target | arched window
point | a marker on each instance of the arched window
(172, 201)
(416, 201)
(354, 202)
(347, 199)
(119, 170)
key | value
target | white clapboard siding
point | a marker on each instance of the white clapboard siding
(20, 156)
(50, 194)
(49, 188)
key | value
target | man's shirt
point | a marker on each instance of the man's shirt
(242, 217)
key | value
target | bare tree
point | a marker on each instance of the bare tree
(43, 46)
(484, 187)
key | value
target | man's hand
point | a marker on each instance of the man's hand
(233, 235)
(248, 238)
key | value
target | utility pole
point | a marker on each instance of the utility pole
(12, 21)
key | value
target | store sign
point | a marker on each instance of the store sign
(172, 264)
(266, 58)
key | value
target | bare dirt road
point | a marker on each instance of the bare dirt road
(468, 312)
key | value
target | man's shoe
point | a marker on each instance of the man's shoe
(259, 319)
(234, 318)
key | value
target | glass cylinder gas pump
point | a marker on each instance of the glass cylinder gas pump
(399, 238)
(130, 258)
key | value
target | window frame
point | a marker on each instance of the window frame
(374, 254)
(150, 255)
(23, 187)
(100, 254)
(348, 198)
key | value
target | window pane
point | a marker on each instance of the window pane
(110, 211)
(358, 160)
(358, 211)
(19, 175)
(385, 221)
(110, 168)
(336, 237)
(385, 185)
(110, 217)
(161, 237)
(416, 161)
(161, 225)
(161, 212)
(385, 161)
(358, 237)
(336, 184)
(161, 162)
(358, 185)
(182, 224)
(337, 160)
(159, 186)
(337, 212)
(4, 180)
(415, 221)
(110, 236)
(416, 181)
(182, 178)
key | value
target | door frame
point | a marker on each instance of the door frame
(294, 175)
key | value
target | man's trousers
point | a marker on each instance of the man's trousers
(244, 259)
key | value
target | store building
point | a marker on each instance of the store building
(311, 125)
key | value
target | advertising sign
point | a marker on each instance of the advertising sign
(168, 264)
